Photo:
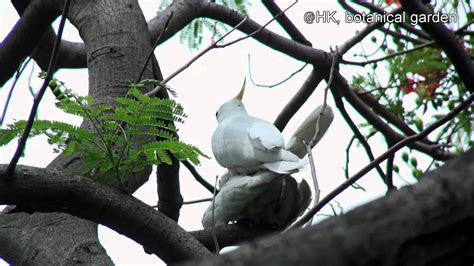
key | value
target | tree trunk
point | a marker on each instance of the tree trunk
(117, 42)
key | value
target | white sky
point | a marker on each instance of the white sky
(201, 88)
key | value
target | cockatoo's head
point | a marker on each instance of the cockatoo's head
(232, 107)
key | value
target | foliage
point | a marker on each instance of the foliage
(138, 131)
(192, 34)
(422, 83)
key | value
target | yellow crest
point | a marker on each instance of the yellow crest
(241, 93)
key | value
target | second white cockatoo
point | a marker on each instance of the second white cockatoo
(244, 144)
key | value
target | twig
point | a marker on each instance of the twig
(335, 62)
(392, 33)
(285, 23)
(308, 146)
(214, 44)
(196, 57)
(375, 8)
(198, 177)
(402, 143)
(12, 88)
(24, 137)
(346, 168)
(426, 44)
(348, 149)
(197, 201)
(355, 130)
(363, 33)
(213, 228)
(275, 84)
(30, 77)
(258, 30)
(165, 28)
(317, 192)
(389, 175)
(423, 45)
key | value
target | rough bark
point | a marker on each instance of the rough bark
(28, 239)
(37, 189)
(117, 42)
(429, 223)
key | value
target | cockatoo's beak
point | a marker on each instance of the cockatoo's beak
(241, 93)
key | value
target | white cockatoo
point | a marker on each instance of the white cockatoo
(267, 197)
(244, 144)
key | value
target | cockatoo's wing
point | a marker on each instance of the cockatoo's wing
(265, 136)
(285, 167)
(268, 143)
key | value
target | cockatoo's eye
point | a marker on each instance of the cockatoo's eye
(217, 113)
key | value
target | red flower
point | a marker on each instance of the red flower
(393, 1)
(410, 87)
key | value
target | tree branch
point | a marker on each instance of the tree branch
(285, 22)
(363, 33)
(393, 149)
(24, 136)
(349, 93)
(26, 33)
(421, 231)
(377, 9)
(392, 33)
(197, 176)
(290, 109)
(230, 235)
(46, 191)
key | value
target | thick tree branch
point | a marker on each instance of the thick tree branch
(347, 92)
(230, 235)
(285, 22)
(265, 36)
(377, 9)
(383, 112)
(429, 223)
(299, 98)
(446, 39)
(73, 54)
(42, 190)
(26, 33)
(387, 154)
(51, 65)
(363, 33)
(170, 199)
(322, 61)
(70, 54)
(27, 240)
(388, 31)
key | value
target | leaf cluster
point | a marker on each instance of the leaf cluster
(135, 132)
(193, 33)
(422, 85)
